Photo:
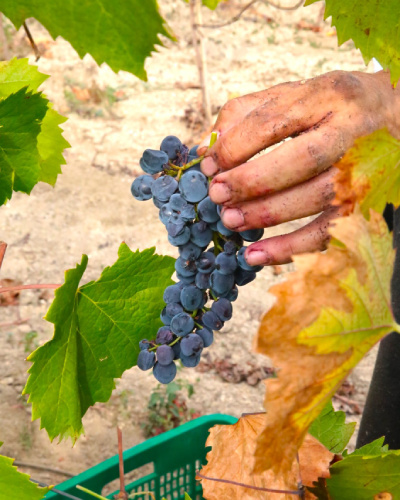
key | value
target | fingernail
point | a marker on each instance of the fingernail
(208, 166)
(220, 193)
(258, 258)
(232, 217)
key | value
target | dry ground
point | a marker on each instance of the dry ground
(91, 210)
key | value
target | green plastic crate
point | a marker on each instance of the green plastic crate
(175, 456)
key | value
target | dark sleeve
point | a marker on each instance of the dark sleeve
(381, 416)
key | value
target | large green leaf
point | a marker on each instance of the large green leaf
(374, 27)
(375, 448)
(20, 117)
(96, 338)
(15, 484)
(359, 477)
(331, 430)
(121, 33)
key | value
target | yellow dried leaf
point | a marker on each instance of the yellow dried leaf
(369, 174)
(328, 314)
(232, 459)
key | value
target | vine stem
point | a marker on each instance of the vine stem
(89, 492)
(3, 248)
(199, 46)
(122, 491)
(32, 42)
(5, 289)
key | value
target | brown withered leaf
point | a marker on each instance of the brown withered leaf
(328, 314)
(10, 298)
(232, 459)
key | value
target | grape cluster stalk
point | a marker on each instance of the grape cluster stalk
(211, 264)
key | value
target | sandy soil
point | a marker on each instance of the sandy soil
(91, 211)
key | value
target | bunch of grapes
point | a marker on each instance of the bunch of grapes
(211, 264)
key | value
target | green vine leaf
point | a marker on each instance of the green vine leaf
(17, 74)
(96, 338)
(212, 4)
(331, 430)
(15, 484)
(51, 145)
(364, 477)
(122, 34)
(375, 448)
(45, 144)
(20, 117)
(374, 27)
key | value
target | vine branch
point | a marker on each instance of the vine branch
(32, 42)
(5, 289)
(3, 248)
(122, 491)
(299, 492)
(246, 7)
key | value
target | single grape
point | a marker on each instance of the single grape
(206, 262)
(158, 203)
(207, 210)
(164, 317)
(221, 283)
(165, 213)
(232, 295)
(230, 247)
(144, 344)
(164, 374)
(153, 161)
(186, 280)
(214, 226)
(141, 187)
(193, 168)
(190, 251)
(243, 277)
(193, 151)
(207, 336)
(177, 350)
(172, 293)
(188, 213)
(211, 321)
(175, 225)
(164, 335)
(173, 309)
(164, 187)
(171, 145)
(200, 234)
(191, 344)
(191, 297)
(243, 263)
(193, 186)
(252, 234)
(178, 202)
(146, 360)
(182, 324)
(223, 230)
(202, 281)
(190, 361)
(165, 354)
(225, 263)
(181, 239)
(223, 309)
(183, 269)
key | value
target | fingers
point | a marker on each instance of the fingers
(280, 249)
(264, 126)
(235, 110)
(308, 198)
(292, 163)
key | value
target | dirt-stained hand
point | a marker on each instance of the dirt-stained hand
(322, 116)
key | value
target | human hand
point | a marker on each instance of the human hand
(323, 116)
